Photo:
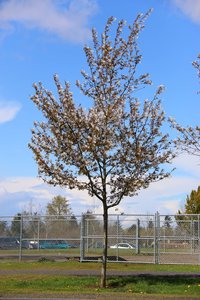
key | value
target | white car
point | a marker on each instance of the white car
(123, 246)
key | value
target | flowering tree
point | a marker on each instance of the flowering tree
(189, 137)
(114, 148)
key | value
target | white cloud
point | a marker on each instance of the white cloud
(168, 195)
(17, 193)
(67, 19)
(8, 111)
(172, 206)
(188, 165)
(190, 7)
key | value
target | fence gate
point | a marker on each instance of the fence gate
(131, 238)
(157, 239)
(179, 240)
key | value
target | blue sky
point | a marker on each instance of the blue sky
(41, 38)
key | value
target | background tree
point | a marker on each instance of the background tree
(167, 222)
(93, 228)
(33, 225)
(59, 219)
(74, 222)
(74, 229)
(15, 225)
(181, 221)
(189, 137)
(3, 228)
(167, 228)
(93, 222)
(132, 229)
(59, 207)
(150, 225)
(114, 148)
(192, 205)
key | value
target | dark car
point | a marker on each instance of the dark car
(12, 243)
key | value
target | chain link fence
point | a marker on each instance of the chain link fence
(158, 239)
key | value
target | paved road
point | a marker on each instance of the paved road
(97, 273)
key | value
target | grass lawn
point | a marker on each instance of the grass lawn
(33, 283)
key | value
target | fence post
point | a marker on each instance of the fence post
(38, 233)
(117, 252)
(155, 218)
(193, 234)
(137, 246)
(156, 237)
(82, 241)
(20, 238)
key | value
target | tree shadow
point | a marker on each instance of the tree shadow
(122, 281)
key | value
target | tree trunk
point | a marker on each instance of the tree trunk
(104, 259)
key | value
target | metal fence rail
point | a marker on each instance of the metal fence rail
(158, 239)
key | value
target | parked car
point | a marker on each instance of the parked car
(53, 244)
(72, 246)
(12, 243)
(33, 244)
(50, 244)
(123, 246)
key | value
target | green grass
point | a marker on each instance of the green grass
(74, 265)
(43, 284)
(157, 285)
(46, 284)
(32, 284)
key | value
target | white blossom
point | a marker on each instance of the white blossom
(117, 146)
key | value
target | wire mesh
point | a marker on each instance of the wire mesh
(160, 239)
